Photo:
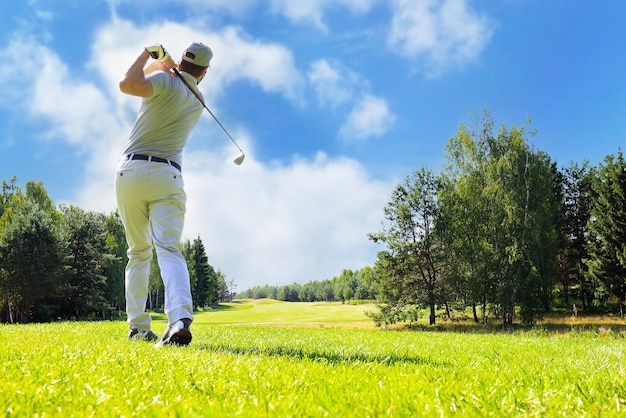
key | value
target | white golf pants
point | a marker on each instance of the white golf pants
(151, 202)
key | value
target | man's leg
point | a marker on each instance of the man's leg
(133, 209)
(167, 218)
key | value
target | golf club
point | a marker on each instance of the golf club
(237, 160)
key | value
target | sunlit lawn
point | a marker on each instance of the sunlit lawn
(316, 369)
(268, 311)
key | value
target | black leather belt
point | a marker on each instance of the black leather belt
(155, 159)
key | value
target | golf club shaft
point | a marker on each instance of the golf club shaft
(205, 106)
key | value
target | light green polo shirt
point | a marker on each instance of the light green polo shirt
(166, 118)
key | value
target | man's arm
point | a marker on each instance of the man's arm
(134, 81)
(160, 65)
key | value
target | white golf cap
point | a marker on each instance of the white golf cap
(199, 54)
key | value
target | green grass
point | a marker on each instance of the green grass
(90, 369)
(271, 312)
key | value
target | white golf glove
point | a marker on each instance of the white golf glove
(158, 52)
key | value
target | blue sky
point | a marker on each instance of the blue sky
(334, 102)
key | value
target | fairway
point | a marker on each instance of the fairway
(312, 370)
(272, 312)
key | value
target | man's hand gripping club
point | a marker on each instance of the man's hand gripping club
(157, 52)
(160, 54)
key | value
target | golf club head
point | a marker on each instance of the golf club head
(239, 159)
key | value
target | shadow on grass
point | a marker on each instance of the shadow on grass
(583, 328)
(314, 355)
(229, 306)
(600, 327)
(220, 307)
(158, 316)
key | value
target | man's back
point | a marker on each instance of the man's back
(165, 119)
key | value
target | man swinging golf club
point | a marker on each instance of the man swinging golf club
(149, 185)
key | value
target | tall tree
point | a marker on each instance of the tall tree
(410, 267)
(202, 280)
(607, 247)
(498, 214)
(231, 289)
(31, 257)
(578, 203)
(222, 288)
(364, 279)
(537, 237)
(85, 288)
(115, 269)
(469, 217)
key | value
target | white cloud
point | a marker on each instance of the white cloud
(312, 11)
(443, 32)
(370, 117)
(337, 86)
(309, 12)
(333, 85)
(234, 7)
(74, 107)
(303, 221)
(269, 65)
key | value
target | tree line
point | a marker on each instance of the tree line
(359, 285)
(501, 230)
(65, 263)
